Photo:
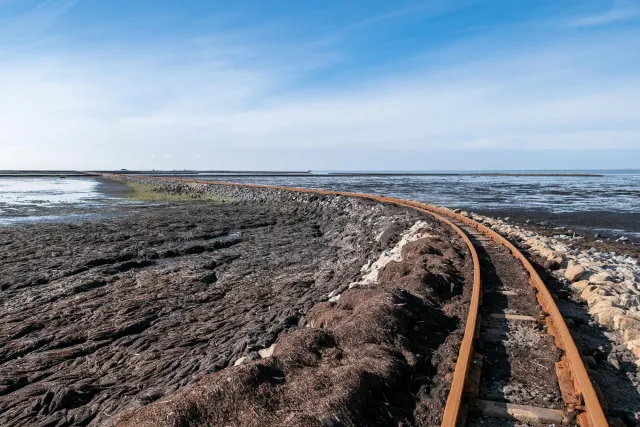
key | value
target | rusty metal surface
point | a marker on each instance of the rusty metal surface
(593, 414)
(589, 413)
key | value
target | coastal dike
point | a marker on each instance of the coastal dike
(229, 305)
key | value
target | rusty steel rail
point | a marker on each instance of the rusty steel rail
(575, 385)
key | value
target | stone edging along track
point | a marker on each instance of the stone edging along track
(591, 412)
(609, 283)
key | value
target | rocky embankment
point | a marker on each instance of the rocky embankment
(251, 307)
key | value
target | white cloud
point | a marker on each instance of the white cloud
(154, 104)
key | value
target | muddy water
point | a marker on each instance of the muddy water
(607, 204)
(54, 198)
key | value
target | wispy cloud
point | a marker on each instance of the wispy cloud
(423, 9)
(620, 11)
(428, 8)
(35, 22)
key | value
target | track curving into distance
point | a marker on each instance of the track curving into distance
(492, 352)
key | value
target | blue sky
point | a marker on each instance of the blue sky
(301, 84)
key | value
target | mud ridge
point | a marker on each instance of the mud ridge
(380, 355)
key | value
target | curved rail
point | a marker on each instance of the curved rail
(584, 398)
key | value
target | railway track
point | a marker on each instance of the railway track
(514, 359)
(520, 350)
(517, 361)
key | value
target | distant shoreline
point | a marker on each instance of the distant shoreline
(467, 174)
(37, 174)
(45, 175)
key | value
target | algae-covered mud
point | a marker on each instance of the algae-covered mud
(77, 198)
(230, 307)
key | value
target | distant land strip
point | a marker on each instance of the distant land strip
(465, 174)
(239, 174)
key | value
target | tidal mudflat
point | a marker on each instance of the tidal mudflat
(201, 304)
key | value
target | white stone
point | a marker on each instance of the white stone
(371, 270)
(600, 303)
(603, 300)
(241, 361)
(624, 322)
(600, 278)
(267, 352)
(629, 301)
(630, 335)
(634, 346)
(605, 315)
(579, 286)
(591, 289)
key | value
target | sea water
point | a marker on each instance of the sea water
(612, 193)
(50, 198)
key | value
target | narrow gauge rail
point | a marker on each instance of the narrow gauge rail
(466, 404)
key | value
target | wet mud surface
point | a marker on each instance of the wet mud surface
(57, 199)
(607, 202)
(608, 225)
(378, 356)
(158, 304)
